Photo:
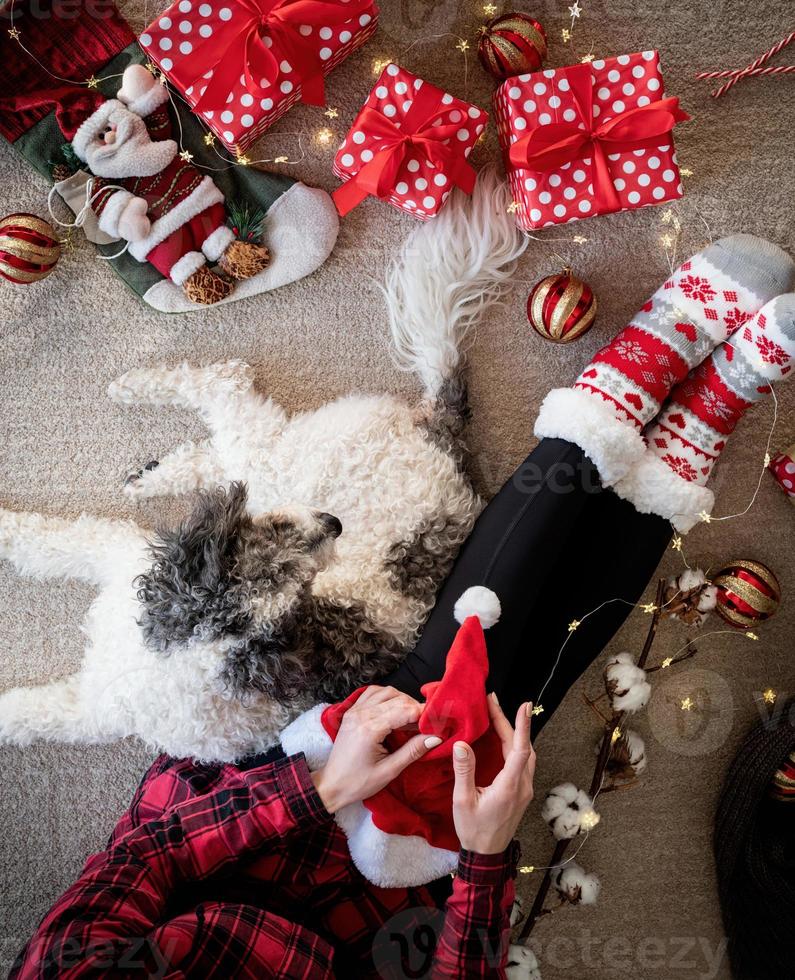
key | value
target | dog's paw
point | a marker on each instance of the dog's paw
(134, 482)
(521, 964)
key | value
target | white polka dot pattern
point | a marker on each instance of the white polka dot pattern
(640, 177)
(189, 39)
(420, 187)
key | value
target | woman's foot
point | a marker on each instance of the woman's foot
(698, 307)
(688, 437)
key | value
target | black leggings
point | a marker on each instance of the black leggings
(553, 545)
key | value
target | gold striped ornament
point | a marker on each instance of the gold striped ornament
(561, 307)
(512, 44)
(748, 593)
(29, 248)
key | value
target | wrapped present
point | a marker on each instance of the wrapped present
(782, 466)
(408, 145)
(241, 64)
(588, 139)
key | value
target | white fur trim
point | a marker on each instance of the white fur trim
(93, 125)
(205, 195)
(217, 242)
(146, 104)
(611, 445)
(184, 268)
(306, 734)
(112, 212)
(652, 487)
(481, 602)
(387, 860)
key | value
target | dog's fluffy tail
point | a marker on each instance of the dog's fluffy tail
(446, 275)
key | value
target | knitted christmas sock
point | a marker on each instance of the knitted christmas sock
(622, 389)
(688, 437)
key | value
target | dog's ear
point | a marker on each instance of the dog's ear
(187, 591)
(268, 663)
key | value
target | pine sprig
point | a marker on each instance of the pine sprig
(246, 221)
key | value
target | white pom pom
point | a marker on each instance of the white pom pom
(481, 602)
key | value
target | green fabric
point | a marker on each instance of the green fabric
(43, 143)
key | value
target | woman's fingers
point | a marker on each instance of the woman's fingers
(500, 724)
(414, 749)
(464, 791)
(519, 758)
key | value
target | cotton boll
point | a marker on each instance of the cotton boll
(626, 684)
(521, 964)
(708, 599)
(568, 811)
(576, 886)
(691, 578)
(627, 755)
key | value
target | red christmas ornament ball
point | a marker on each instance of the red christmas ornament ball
(748, 593)
(29, 248)
(512, 44)
(561, 307)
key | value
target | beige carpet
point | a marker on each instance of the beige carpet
(64, 448)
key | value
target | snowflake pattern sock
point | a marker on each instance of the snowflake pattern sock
(705, 300)
(702, 412)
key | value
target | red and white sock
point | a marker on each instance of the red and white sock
(686, 440)
(622, 389)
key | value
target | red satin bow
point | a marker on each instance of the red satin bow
(416, 132)
(547, 148)
(280, 20)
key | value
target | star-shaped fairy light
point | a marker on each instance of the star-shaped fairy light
(151, 67)
(705, 517)
(648, 607)
(186, 156)
(92, 82)
(538, 709)
(769, 696)
(325, 136)
(751, 636)
(667, 240)
(687, 704)
(586, 59)
(209, 139)
(463, 45)
(686, 172)
(243, 160)
(14, 33)
(589, 819)
(615, 736)
(676, 544)
(579, 239)
(331, 112)
(513, 207)
(380, 64)
(575, 10)
(281, 159)
(489, 9)
(667, 662)
(574, 624)
(526, 869)
(566, 35)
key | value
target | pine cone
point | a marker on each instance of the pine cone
(206, 287)
(242, 260)
(61, 171)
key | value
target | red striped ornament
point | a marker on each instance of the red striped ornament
(512, 44)
(748, 593)
(29, 248)
(561, 307)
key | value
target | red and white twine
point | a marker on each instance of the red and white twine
(735, 75)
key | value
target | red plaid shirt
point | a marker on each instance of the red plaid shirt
(215, 871)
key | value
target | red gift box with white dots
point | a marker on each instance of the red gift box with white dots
(419, 187)
(640, 177)
(782, 467)
(191, 37)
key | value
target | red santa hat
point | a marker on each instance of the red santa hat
(404, 836)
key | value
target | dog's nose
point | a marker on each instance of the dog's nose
(331, 523)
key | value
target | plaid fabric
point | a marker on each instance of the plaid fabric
(219, 872)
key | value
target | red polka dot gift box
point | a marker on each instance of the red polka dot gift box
(241, 64)
(408, 146)
(782, 467)
(588, 139)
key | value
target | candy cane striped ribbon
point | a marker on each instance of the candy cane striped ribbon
(736, 75)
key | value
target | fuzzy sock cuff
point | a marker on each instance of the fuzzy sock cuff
(590, 422)
(653, 488)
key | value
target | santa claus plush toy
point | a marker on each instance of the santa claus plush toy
(144, 191)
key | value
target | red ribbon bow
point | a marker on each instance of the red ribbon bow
(547, 148)
(397, 140)
(280, 20)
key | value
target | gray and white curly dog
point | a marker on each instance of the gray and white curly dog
(317, 542)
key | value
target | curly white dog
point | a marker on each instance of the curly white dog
(207, 640)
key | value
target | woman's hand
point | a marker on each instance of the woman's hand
(486, 818)
(359, 765)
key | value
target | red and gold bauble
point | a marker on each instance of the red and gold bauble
(29, 248)
(748, 593)
(561, 307)
(512, 44)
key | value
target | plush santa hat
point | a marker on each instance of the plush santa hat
(404, 835)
